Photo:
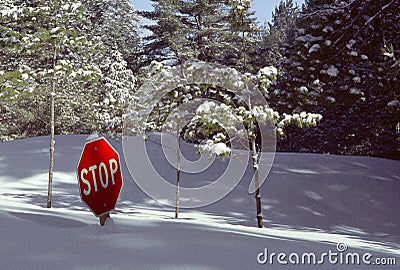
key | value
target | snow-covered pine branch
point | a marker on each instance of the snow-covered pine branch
(215, 120)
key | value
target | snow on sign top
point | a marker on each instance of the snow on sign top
(99, 176)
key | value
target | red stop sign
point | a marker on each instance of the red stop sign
(99, 176)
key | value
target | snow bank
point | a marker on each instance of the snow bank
(310, 203)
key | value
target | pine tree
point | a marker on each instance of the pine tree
(52, 58)
(233, 120)
(207, 30)
(41, 46)
(182, 30)
(275, 34)
(335, 66)
(245, 30)
(114, 93)
(116, 23)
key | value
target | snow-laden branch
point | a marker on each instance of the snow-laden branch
(368, 22)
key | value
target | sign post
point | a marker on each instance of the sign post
(100, 177)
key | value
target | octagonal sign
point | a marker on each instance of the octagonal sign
(99, 176)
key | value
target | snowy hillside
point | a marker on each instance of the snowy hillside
(311, 203)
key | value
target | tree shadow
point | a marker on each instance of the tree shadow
(355, 196)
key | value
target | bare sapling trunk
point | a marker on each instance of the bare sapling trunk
(244, 51)
(178, 173)
(51, 167)
(52, 101)
(257, 184)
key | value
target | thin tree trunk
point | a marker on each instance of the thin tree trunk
(244, 53)
(257, 184)
(51, 167)
(178, 174)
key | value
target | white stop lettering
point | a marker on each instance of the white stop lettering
(102, 172)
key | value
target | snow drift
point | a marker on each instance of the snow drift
(310, 203)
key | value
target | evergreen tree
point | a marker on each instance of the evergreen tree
(185, 30)
(44, 55)
(231, 122)
(95, 106)
(334, 65)
(218, 31)
(52, 63)
(275, 34)
(245, 32)
(116, 23)
(113, 93)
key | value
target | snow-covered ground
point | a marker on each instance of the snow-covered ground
(311, 203)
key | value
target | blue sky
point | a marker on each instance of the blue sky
(263, 8)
